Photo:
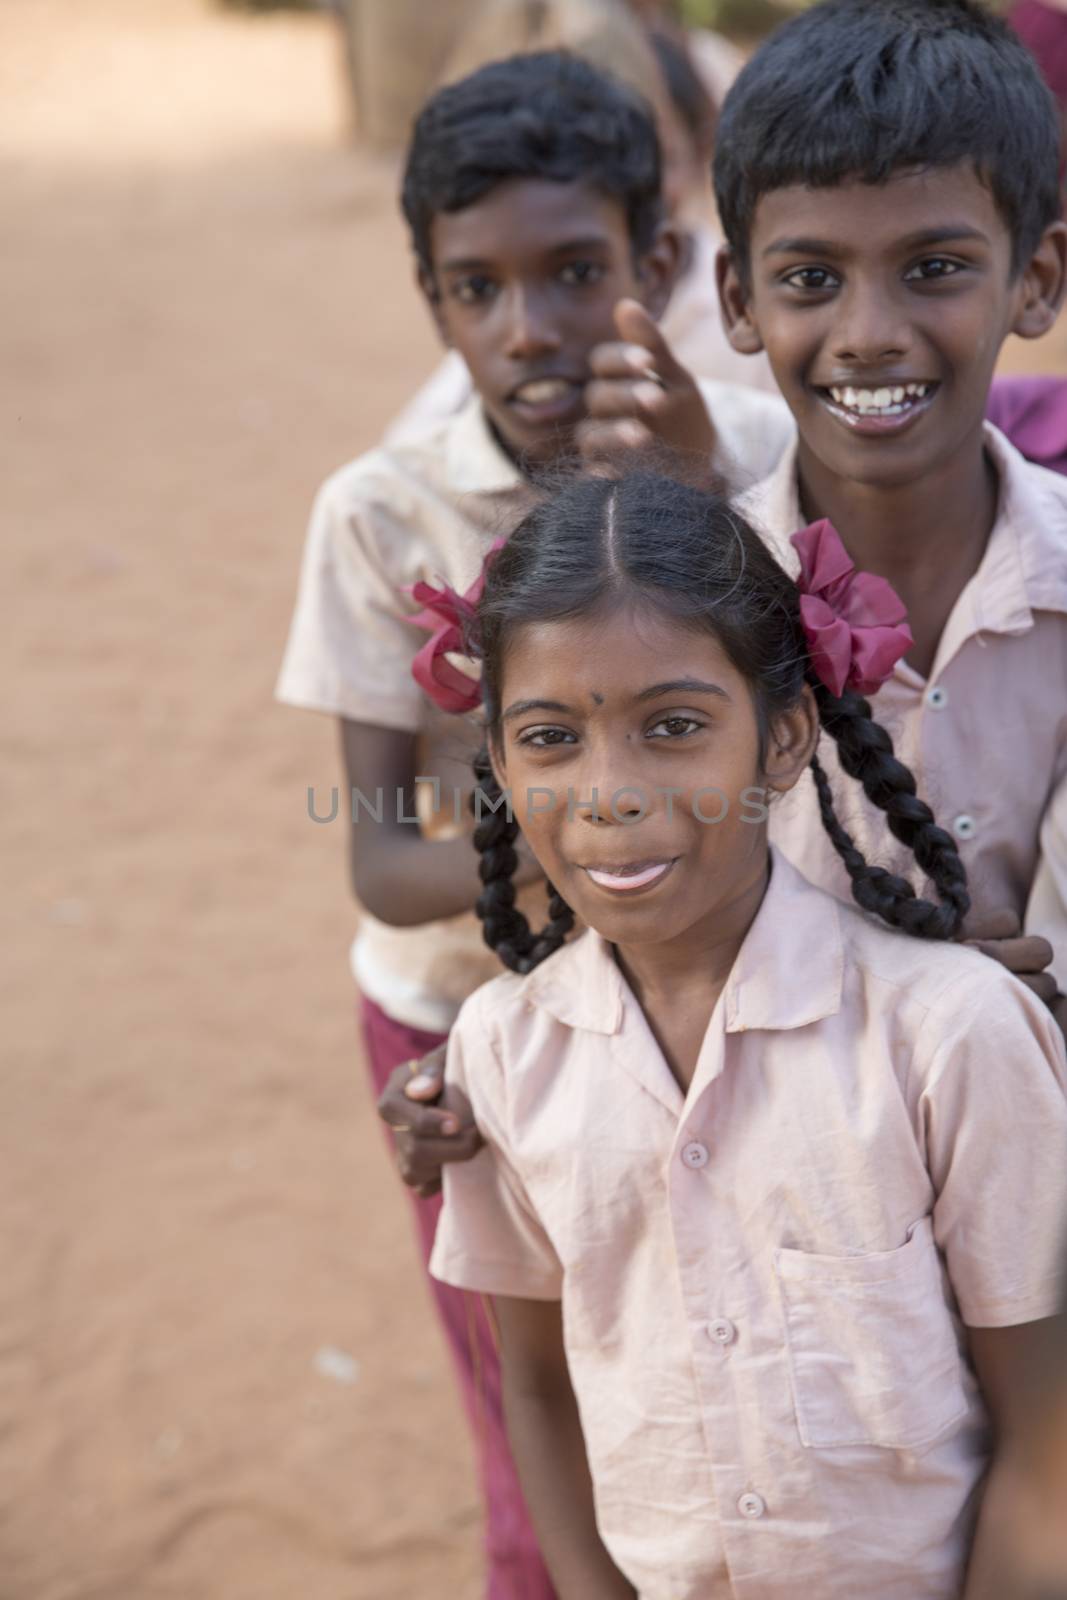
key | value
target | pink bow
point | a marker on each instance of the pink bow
(448, 617)
(855, 623)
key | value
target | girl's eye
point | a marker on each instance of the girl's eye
(933, 267)
(674, 728)
(546, 738)
(471, 291)
(812, 278)
(582, 274)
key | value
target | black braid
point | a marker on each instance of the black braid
(505, 928)
(865, 751)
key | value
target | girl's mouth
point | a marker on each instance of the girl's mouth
(628, 879)
(887, 409)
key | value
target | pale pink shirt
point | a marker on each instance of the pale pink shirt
(986, 734)
(764, 1282)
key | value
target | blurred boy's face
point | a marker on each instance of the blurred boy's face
(525, 283)
(882, 309)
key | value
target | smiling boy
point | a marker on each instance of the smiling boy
(886, 176)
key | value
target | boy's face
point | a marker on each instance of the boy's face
(525, 284)
(882, 309)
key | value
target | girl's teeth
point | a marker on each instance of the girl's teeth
(629, 880)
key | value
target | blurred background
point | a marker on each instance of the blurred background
(219, 1374)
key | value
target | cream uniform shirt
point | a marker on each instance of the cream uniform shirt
(429, 509)
(765, 1281)
(986, 734)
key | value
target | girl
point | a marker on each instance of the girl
(755, 1322)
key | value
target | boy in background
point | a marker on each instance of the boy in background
(886, 175)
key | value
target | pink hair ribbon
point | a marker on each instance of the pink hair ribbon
(448, 616)
(855, 622)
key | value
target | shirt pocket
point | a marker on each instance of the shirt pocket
(873, 1349)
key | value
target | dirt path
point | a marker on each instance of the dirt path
(219, 1379)
(206, 308)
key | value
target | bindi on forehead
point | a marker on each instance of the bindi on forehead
(597, 699)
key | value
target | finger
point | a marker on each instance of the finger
(607, 398)
(426, 1077)
(607, 441)
(621, 361)
(1030, 954)
(1003, 924)
(431, 1154)
(421, 1122)
(636, 326)
(1043, 984)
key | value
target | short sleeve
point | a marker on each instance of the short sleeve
(350, 648)
(995, 1118)
(1046, 910)
(489, 1238)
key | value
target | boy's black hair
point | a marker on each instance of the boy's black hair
(649, 541)
(863, 89)
(545, 115)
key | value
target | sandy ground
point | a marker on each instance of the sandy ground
(206, 308)
(219, 1378)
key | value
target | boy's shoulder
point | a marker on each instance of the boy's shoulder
(1029, 537)
(953, 994)
(1033, 505)
(454, 457)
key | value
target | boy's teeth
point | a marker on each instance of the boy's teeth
(543, 390)
(886, 399)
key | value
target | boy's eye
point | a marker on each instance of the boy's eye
(811, 278)
(471, 291)
(545, 738)
(674, 728)
(582, 274)
(933, 267)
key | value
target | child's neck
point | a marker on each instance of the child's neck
(678, 981)
(926, 537)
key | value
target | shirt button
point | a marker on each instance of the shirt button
(937, 698)
(722, 1331)
(695, 1155)
(964, 827)
(752, 1506)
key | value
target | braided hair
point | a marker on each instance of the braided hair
(650, 540)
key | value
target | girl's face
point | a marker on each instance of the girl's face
(631, 749)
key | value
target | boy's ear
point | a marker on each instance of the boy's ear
(1043, 285)
(733, 301)
(791, 743)
(427, 284)
(657, 270)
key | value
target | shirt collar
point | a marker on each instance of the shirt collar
(474, 461)
(1023, 568)
(788, 973)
